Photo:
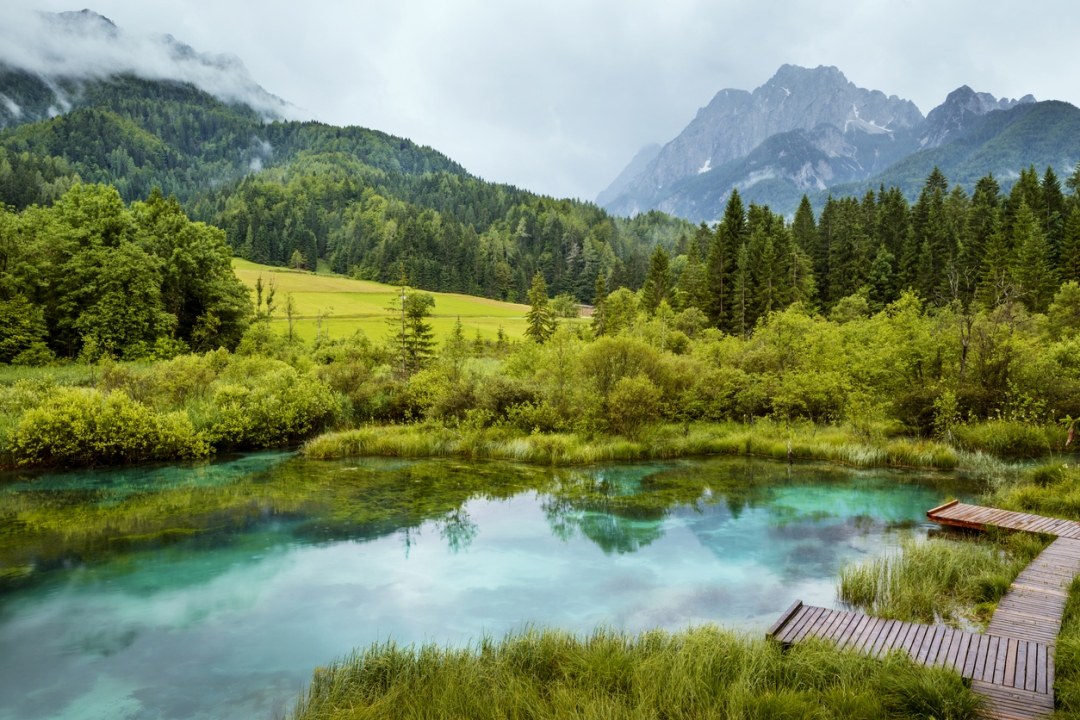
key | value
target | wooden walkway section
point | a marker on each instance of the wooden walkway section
(1012, 664)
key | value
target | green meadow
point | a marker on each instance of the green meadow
(348, 305)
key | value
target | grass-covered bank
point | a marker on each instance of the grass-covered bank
(699, 673)
(765, 439)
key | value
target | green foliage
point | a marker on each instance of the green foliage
(86, 427)
(634, 402)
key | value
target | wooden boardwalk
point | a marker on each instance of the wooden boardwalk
(1012, 664)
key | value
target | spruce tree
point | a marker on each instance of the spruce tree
(741, 292)
(1069, 257)
(894, 221)
(1052, 214)
(804, 229)
(880, 281)
(539, 321)
(1035, 275)
(599, 295)
(658, 285)
(996, 283)
(692, 285)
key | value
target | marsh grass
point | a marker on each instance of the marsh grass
(1010, 438)
(955, 581)
(700, 673)
(806, 442)
(1067, 657)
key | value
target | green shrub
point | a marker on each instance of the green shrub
(87, 427)
(634, 403)
(272, 408)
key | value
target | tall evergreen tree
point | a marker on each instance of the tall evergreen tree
(658, 285)
(693, 288)
(894, 221)
(1035, 273)
(742, 292)
(599, 295)
(880, 282)
(996, 284)
(540, 324)
(1069, 259)
(1053, 213)
(804, 228)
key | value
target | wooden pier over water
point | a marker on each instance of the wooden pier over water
(1012, 664)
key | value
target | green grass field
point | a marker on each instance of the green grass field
(349, 305)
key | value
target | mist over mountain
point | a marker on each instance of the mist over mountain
(48, 59)
(809, 131)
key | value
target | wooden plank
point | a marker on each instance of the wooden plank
(1020, 666)
(958, 652)
(838, 617)
(882, 643)
(913, 636)
(991, 657)
(940, 508)
(1008, 679)
(823, 619)
(928, 657)
(813, 615)
(1029, 666)
(1040, 669)
(999, 663)
(854, 630)
(938, 658)
(841, 630)
(792, 626)
(972, 656)
(868, 634)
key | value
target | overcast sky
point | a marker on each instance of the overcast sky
(557, 96)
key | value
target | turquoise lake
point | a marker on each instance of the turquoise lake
(213, 590)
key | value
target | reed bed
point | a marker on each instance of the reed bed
(835, 444)
(699, 673)
(958, 582)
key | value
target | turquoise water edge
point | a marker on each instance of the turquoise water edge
(213, 590)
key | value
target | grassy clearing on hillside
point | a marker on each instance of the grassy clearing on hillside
(836, 444)
(700, 673)
(361, 305)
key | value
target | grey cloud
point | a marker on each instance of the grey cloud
(85, 45)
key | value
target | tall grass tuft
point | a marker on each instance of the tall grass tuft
(700, 673)
(954, 581)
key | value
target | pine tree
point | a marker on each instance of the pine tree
(1052, 214)
(894, 222)
(419, 335)
(880, 281)
(996, 283)
(804, 229)
(541, 325)
(741, 292)
(692, 285)
(768, 289)
(478, 344)
(658, 285)
(599, 295)
(1034, 272)
(1069, 258)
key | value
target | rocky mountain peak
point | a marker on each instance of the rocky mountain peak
(737, 121)
(962, 110)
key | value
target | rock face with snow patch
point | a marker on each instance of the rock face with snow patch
(736, 121)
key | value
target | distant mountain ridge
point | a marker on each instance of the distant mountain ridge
(806, 131)
(47, 60)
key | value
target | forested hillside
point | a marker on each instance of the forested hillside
(986, 249)
(294, 193)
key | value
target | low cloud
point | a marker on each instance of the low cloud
(87, 46)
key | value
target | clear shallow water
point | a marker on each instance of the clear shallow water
(212, 591)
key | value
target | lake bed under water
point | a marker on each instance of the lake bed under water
(213, 590)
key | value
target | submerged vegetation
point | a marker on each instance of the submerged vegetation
(699, 673)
